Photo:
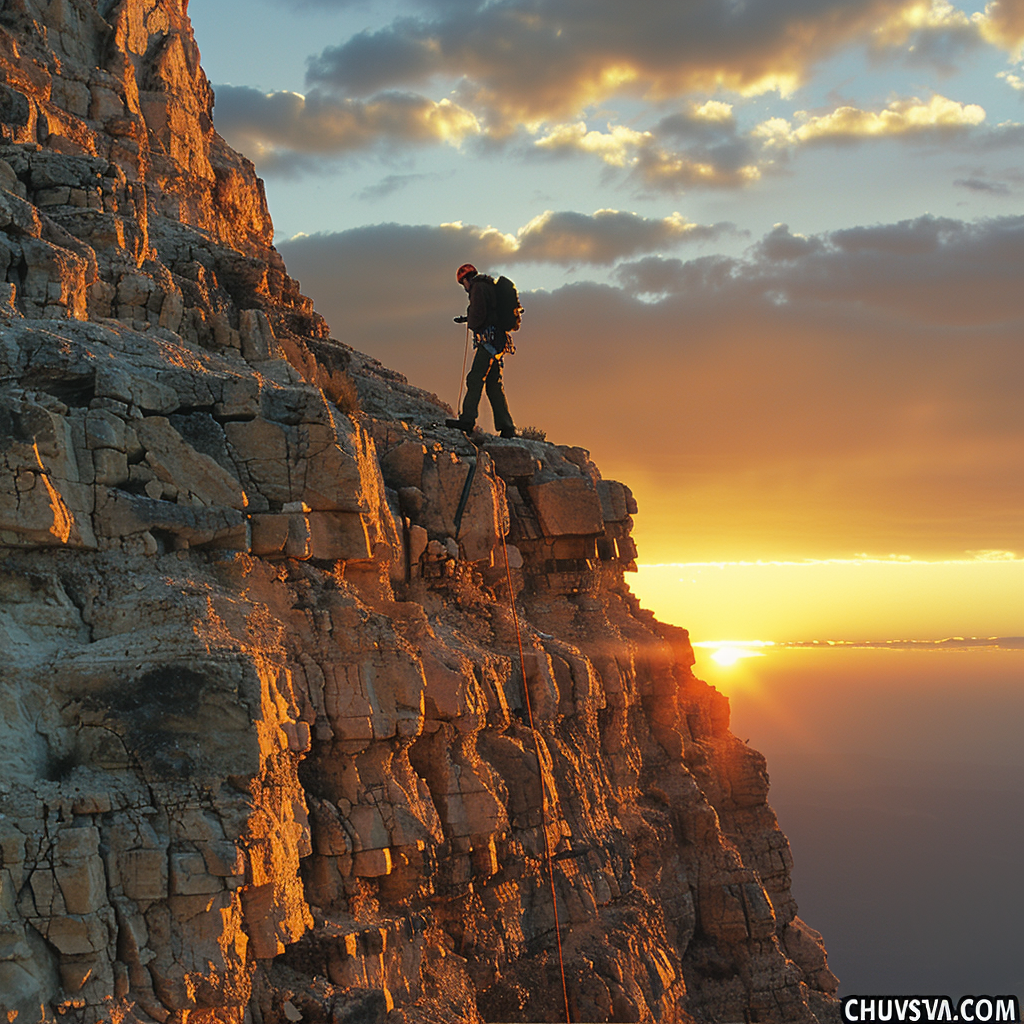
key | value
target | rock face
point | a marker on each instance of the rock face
(265, 749)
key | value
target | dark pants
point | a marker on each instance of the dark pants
(486, 372)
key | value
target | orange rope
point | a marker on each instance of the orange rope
(543, 798)
(462, 379)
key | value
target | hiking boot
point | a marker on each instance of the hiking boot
(509, 432)
(462, 425)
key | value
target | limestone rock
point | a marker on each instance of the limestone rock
(566, 506)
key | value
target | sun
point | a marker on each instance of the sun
(728, 652)
(728, 656)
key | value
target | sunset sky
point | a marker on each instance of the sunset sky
(771, 254)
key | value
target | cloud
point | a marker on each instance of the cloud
(956, 643)
(907, 117)
(288, 133)
(934, 32)
(617, 147)
(392, 183)
(995, 188)
(779, 245)
(702, 146)
(931, 32)
(548, 60)
(528, 76)
(699, 147)
(562, 238)
(671, 171)
(929, 270)
(1003, 24)
(604, 237)
(1014, 81)
(278, 129)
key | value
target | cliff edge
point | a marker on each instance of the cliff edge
(265, 749)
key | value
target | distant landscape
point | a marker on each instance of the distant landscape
(898, 776)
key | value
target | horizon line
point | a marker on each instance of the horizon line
(949, 642)
(986, 558)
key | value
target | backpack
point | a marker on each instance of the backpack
(509, 312)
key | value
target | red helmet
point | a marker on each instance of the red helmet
(466, 270)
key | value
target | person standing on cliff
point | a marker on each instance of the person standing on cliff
(490, 342)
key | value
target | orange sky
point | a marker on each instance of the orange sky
(860, 395)
(855, 599)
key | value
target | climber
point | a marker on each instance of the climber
(491, 341)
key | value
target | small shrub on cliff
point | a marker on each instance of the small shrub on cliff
(341, 389)
(533, 434)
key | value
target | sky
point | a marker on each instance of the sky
(771, 254)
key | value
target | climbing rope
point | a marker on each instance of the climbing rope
(462, 379)
(543, 797)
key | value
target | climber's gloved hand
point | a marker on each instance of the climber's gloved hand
(460, 320)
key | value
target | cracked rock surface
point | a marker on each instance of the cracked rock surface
(265, 735)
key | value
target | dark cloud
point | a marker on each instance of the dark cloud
(779, 244)
(605, 237)
(713, 140)
(864, 385)
(984, 185)
(930, 270)
(980, 185)
(428, 256)
(286, 129)
(548, 59)
(341, 5)
(392, 183)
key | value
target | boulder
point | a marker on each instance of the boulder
(193, 473)
(566, 506)
(338, 536)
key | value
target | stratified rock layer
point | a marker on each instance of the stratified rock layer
(265, 747)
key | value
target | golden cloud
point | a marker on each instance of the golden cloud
(714, 157)
(1003, 25)
(616, 147)
(714, 111)
(664, 169)
(925, 15)
(901, 117)
(569, 238)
